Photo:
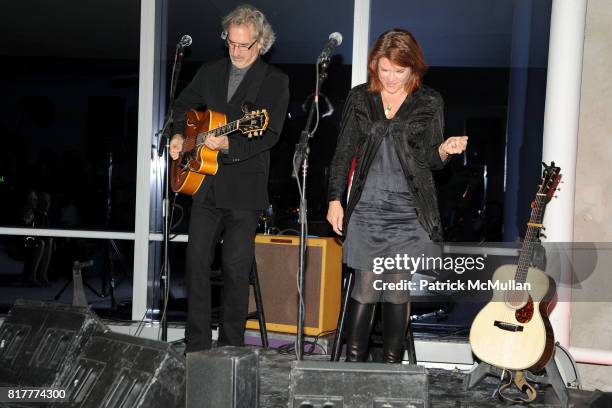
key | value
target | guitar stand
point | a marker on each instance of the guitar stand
(551, 377)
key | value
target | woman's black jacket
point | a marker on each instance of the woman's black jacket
(416, 131)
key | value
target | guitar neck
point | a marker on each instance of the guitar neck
(220, 131)
(531, 238)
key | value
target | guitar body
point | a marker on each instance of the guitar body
(512, 333)
(196, 161)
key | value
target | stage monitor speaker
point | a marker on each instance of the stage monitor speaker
(355, 385)
(277, 264)
(39, 339)
(225, 377)
(115, 370)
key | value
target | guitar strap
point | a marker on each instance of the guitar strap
(521, 383)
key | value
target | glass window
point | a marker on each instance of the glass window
(41, 268)
(68, 116)
(488, 60)
(68, 125)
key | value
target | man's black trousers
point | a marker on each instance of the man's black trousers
(237, 230)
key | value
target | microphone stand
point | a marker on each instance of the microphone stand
(301, 159)
(163, 148)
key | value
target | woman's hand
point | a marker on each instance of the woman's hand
(335, 216)
(452, 145)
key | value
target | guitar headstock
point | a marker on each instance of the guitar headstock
(551, 177)
(254, 123)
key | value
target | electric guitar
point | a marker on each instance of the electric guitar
(513, 331)
(196, 161)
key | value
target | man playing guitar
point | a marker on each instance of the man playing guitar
(227, 206)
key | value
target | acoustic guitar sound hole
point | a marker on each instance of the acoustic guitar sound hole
(516, 299)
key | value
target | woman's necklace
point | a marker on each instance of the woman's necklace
(388, 106)
(388, 110)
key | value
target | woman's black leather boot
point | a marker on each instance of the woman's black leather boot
(395, 323)
(360, 318)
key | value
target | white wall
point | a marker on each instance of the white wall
(591, 324)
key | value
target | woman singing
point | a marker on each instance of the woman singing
(392, 130)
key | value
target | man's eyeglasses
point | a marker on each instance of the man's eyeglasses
(241, 47)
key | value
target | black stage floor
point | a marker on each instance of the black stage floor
(445, 388)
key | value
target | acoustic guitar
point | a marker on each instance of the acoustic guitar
(513, 331)
(196, 161)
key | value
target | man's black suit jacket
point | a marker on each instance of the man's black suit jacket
(242, 179)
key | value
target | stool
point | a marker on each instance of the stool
(217, 280)
(347, 286)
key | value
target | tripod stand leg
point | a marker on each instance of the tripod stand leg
(108, 279)
(478, 373)
(339, 337)
(79, 298)
(95, 292)
(410, 345)
(59, 294)
(555, 379)
(259, 303)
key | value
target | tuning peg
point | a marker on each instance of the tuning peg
(558, 189)
(555, 196)
(543, 235)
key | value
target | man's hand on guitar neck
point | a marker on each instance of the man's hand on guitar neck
(217, 142)
(176, 145)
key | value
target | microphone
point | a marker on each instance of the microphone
(335, 39)
(185, 41)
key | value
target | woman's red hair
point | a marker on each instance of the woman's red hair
(400, 47)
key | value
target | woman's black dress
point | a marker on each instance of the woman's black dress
(384, 224)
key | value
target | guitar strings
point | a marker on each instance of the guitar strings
(523, 263)
(220, 131)
(527, 248)
(203, 135)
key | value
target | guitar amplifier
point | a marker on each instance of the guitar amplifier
(277, 264)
